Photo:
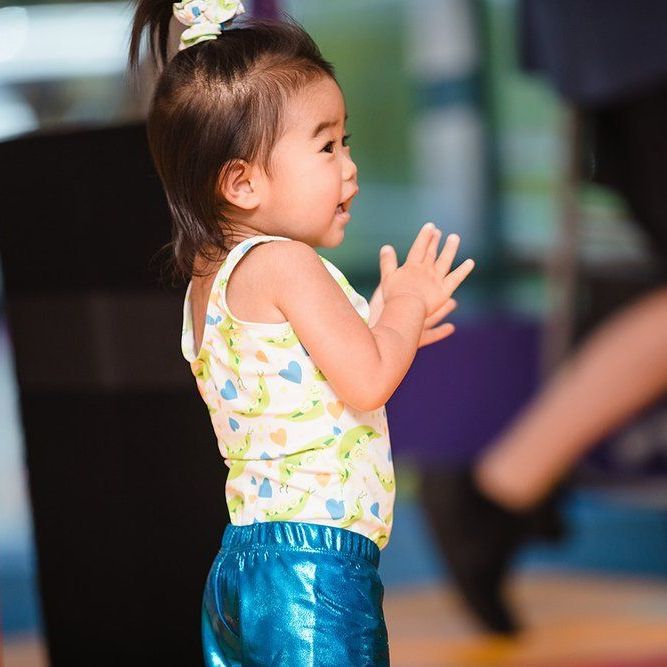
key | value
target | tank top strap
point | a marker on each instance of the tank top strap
(235, 255)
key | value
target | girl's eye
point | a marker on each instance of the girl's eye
(330, 145)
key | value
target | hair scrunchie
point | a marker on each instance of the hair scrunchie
(205, 18)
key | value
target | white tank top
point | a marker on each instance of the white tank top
(295, 451)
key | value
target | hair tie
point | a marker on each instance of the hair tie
(205, 18)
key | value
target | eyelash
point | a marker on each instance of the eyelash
(330, 144)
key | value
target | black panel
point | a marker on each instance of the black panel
(126, 482)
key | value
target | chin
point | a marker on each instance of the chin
(333, 241)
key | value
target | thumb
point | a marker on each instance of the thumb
(388, 261)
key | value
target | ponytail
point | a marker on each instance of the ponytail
(154, 15)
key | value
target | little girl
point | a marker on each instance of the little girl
(247, 130)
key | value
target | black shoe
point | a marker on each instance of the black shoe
(479, 539)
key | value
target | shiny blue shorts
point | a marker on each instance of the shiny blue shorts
(294, 594)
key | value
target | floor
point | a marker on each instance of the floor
(571, 621)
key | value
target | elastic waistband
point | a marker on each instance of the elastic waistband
(301, 536)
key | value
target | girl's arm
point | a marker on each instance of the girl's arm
(364, 365)
(432, 332)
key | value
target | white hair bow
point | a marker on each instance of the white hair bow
(204, 18)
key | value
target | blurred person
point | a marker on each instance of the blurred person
(608, 59)
(247, 129)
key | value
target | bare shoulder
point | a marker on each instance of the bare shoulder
(304, 289)
(258, 276)
(290, 249)
(279, 260)
(286, 263)
(292, 267)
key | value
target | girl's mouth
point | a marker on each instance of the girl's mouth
(343, 209)
(344, 206)
(342, 214)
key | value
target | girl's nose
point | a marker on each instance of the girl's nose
(349, 168)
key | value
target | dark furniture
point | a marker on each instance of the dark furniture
(126, 483)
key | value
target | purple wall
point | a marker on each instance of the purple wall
(460, 392)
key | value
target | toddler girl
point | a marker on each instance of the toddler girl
(247, 130)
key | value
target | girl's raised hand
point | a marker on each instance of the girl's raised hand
(425, 275)
(434, 328)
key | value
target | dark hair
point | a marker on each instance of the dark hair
(214, 102)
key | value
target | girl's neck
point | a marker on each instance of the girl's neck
(240, 232)
(208, 262)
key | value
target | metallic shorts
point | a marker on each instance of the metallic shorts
(294, 594)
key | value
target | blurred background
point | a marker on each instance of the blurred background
(108, 468)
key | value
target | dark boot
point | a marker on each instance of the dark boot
(479, 539)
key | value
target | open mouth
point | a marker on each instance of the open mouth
(344, 206)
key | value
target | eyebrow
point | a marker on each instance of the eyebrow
(320, 127)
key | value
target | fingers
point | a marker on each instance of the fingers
(432, 249)
(430, 336)
(388, 261)
(458, 275)
(446, 309)
(421, 243)
(444, 263)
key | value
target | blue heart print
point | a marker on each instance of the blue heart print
(336, 508)
(292, 372)
(265, 490)
(212, 320)
(375, 509)
(228, 392)
(234, 424)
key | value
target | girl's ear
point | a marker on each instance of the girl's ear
(238, 184)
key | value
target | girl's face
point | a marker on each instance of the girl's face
(313, 178)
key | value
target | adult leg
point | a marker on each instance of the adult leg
(482, 515)
(622, 367)
(619, 370)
